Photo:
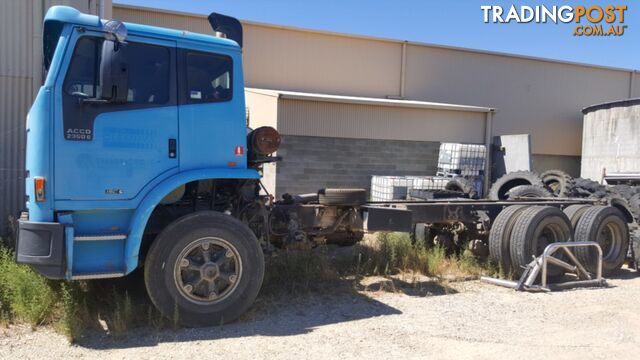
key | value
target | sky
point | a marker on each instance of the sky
(452, 23)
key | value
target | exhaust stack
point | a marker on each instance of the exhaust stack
(227, 25)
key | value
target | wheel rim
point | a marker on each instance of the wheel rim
(208, 270)
(548, 235)
(610, 240)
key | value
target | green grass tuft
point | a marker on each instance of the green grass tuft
(24, 295)
(394, 253)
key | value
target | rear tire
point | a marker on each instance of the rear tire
(196, 289)
(500, 236)
(606, 226)
(635, 247)
(535, 228)
(574, 212)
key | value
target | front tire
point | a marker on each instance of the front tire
(204, 269)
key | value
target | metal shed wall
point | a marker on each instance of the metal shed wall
(357, 121)
(532, 96)
(20, 79)
(16, 91)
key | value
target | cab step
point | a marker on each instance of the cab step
(102, 237)
(98, 275)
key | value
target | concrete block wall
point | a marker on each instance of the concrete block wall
(311, 163)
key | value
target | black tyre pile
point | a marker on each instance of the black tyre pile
(462, 185)
(514, 181)
(508, 232)
(557, 183)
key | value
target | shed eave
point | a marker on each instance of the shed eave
(291, 95)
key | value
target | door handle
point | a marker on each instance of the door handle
(172, 148)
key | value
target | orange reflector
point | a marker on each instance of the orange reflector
(232, 163)
(39, 187)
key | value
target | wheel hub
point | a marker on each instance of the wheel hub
(207, 270)
(609, 240)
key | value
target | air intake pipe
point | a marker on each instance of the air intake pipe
(229, 26)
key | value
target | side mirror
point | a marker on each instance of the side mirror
(114, 74)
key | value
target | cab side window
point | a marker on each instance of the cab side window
(82, 77)
(148, 68)
(151, 83)
(209, 78)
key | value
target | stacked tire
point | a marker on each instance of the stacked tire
(558, 182)
(500, 188)
(527, 184)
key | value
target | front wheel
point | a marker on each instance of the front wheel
(204, 269)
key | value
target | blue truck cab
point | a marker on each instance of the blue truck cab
(139, 155)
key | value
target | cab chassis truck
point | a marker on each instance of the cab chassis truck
(139, 155)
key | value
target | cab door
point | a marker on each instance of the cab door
(211, 107)
(109, 151)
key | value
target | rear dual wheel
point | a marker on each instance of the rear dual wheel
(607, 226)
(535, 228)
(527, 231)
(500, 236)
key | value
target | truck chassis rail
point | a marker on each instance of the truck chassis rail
(402, 215)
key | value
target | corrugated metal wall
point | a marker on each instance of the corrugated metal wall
(535, 97)
(16, 93)
(194, 23)
(358, 121)
(20, 79)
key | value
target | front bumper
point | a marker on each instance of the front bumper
(41, 245)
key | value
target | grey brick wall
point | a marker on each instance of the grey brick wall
(311, 163)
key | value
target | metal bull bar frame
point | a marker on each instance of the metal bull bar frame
(541, 263)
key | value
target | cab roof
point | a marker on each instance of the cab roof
(57, 16)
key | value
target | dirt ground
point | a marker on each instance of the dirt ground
(466, 320)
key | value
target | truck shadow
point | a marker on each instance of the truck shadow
(624, 274)
(271, 315)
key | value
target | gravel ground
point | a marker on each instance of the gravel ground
(465, 320)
